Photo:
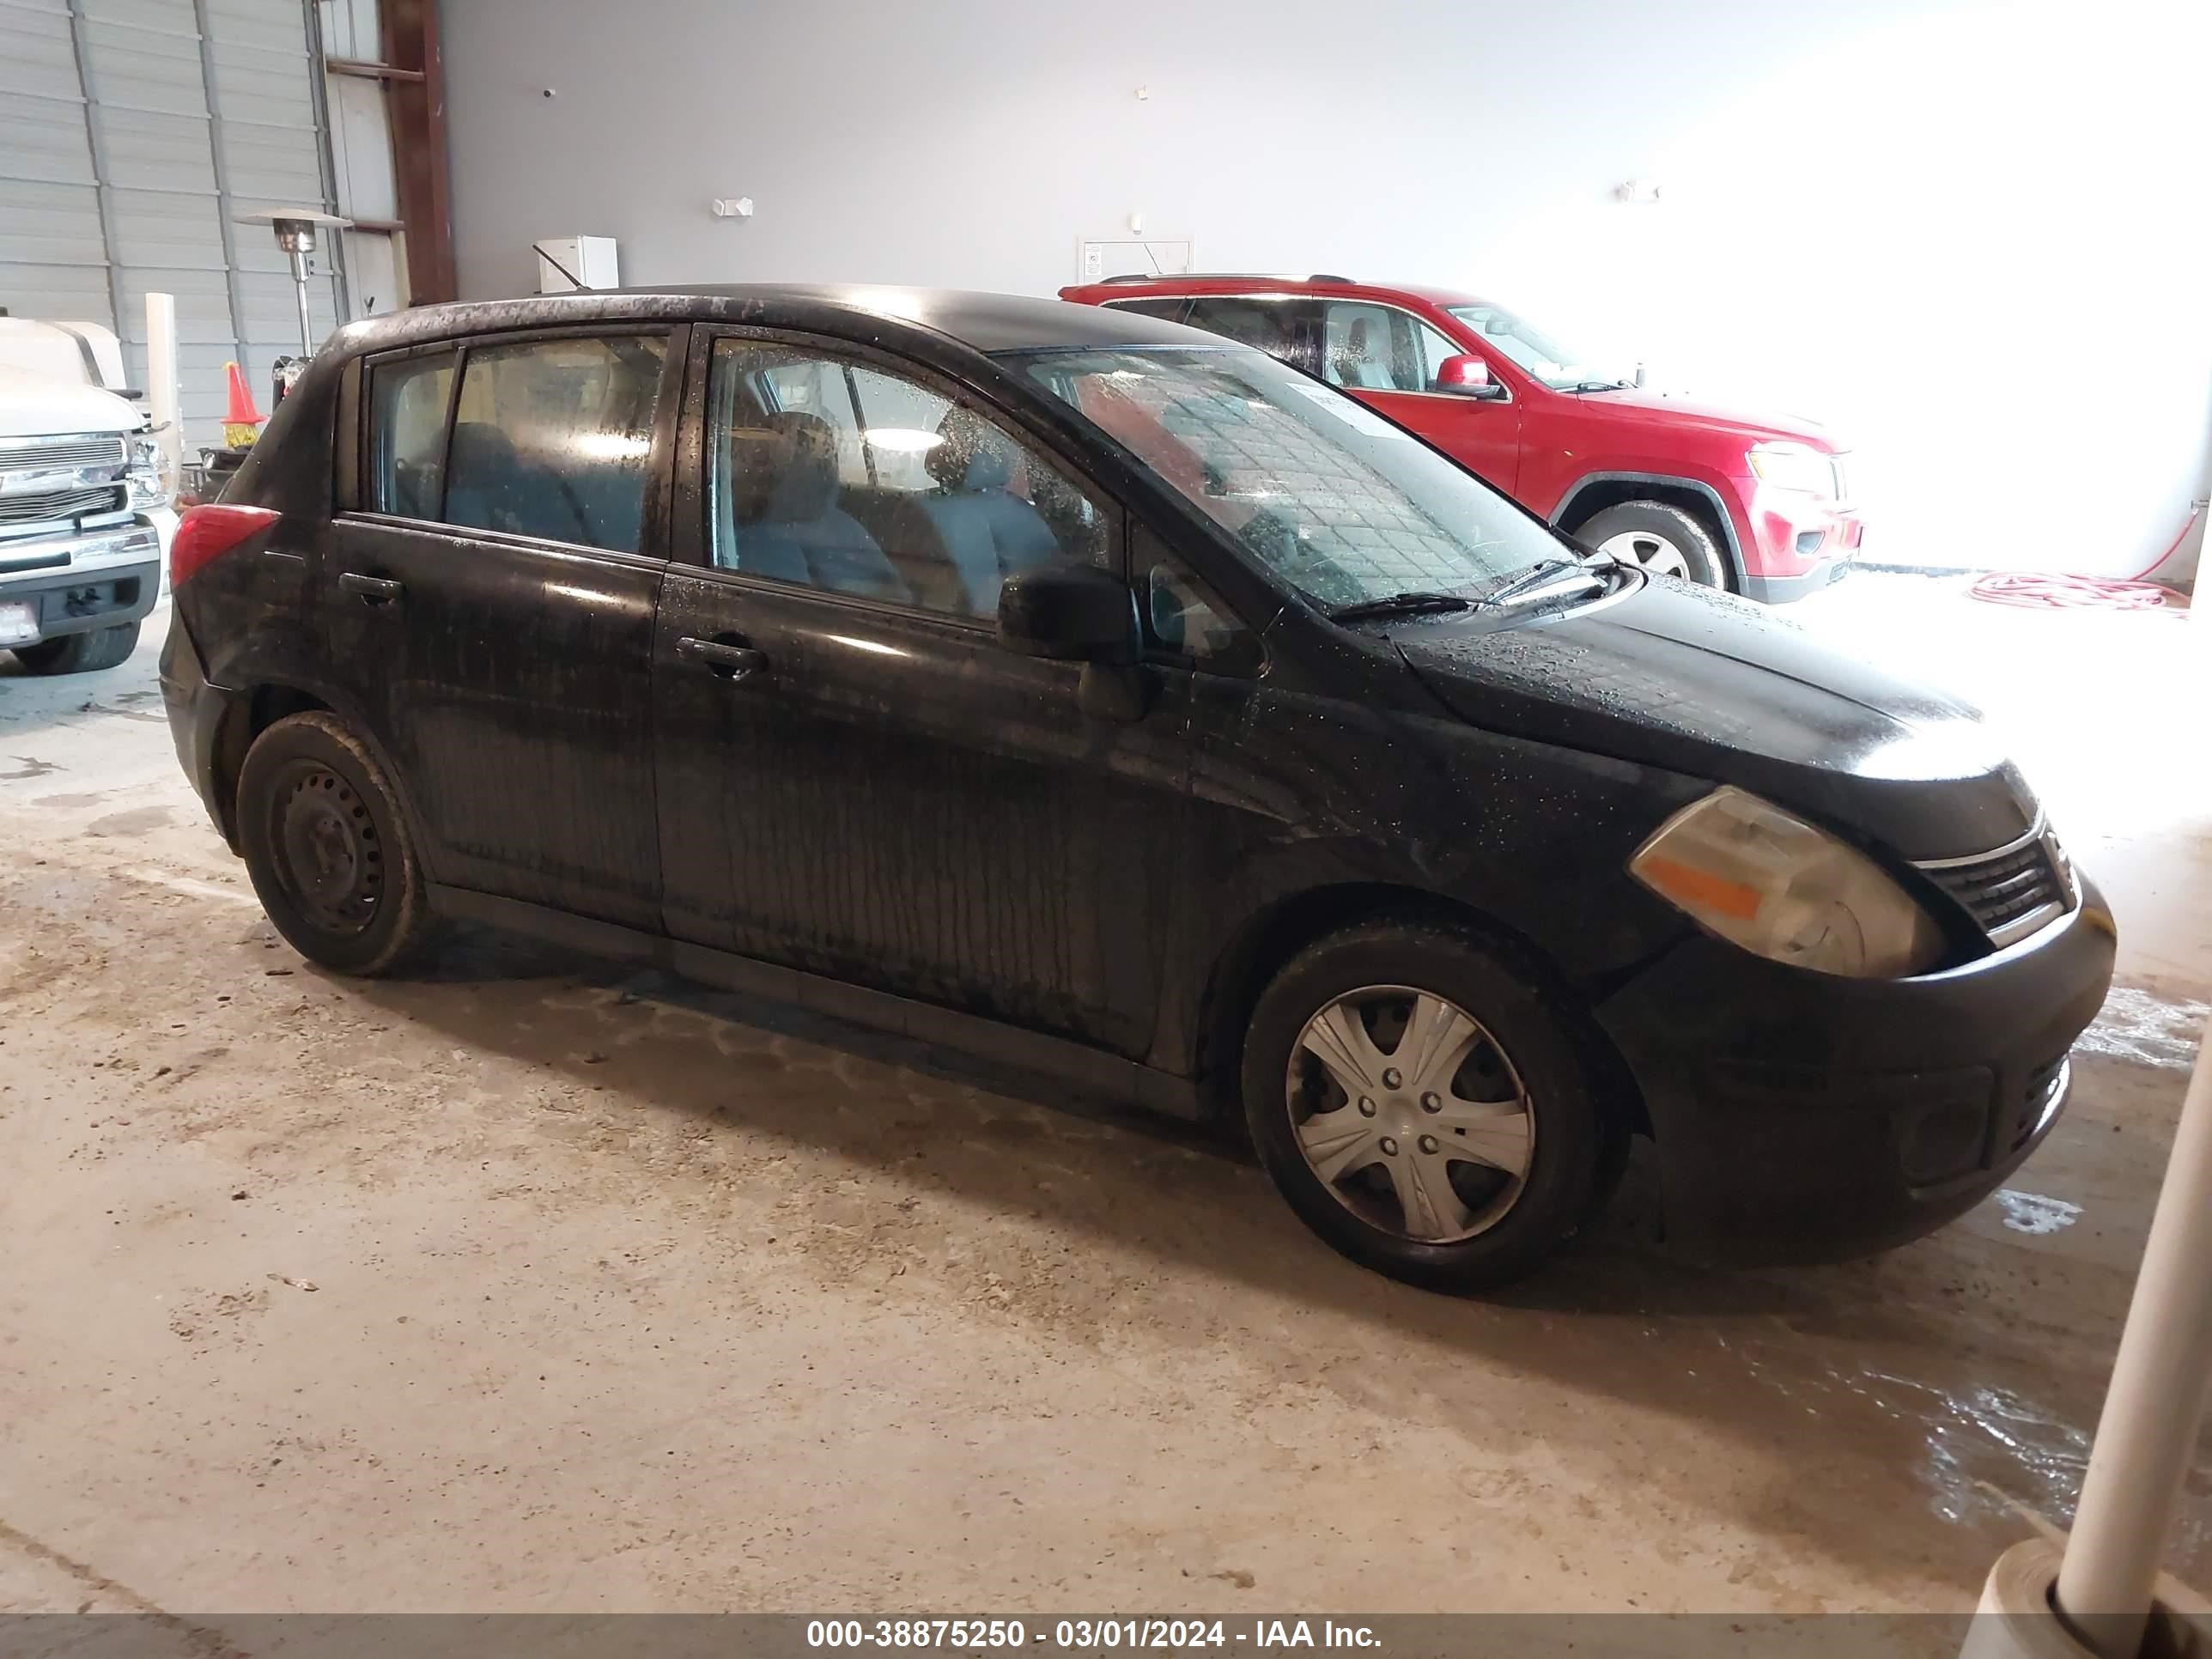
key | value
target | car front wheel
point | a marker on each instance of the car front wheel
(1421, 1108)
(81, 654)
(1664, 540)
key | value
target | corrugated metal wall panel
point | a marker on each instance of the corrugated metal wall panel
(54, 290)
(51, 223)
(36, 55)
(157, 152)
(185, 135)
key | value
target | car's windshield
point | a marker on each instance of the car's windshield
(1335, 501)
(1556, 365)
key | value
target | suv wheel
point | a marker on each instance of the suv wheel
(327, 847)
(1420, 1108)
(80, 653)
(1665, 540)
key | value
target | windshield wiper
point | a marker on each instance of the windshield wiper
(1401, 605)
(1600, 386)
(1542, 573)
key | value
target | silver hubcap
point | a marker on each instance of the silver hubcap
(1409, 1112)
(1655, 553)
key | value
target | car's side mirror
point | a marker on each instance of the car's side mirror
(1469, 376)
(1073, 612)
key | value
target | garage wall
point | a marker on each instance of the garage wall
(1971, 236)
(133, 133)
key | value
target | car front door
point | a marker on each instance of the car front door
(1388, 358)
(490, 604)
(856, 779)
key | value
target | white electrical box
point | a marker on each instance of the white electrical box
(1096, 259)
(571, 262)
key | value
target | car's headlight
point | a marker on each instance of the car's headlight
(1794, 466)
(1785, 890)
(153, 480)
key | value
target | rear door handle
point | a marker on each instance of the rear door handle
(731, 662)
(373, 590)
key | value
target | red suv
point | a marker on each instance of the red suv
(1685, 489)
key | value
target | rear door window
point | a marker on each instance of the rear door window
(1288, 330)
(408, 400)
(1169, 309)
(553, 439)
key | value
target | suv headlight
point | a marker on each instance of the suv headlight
(1785, 890)
(153, 480)
(1794, 466)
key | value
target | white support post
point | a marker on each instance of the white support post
(2146, 1436)
(162, 393)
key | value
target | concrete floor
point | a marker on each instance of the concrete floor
(534, 1284)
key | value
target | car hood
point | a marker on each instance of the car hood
(38, 405)
(1639, 404)
(1708, 685)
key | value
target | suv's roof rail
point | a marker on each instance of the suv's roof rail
(1212, 276)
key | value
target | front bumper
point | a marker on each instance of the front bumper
(1803, 1116)
(1794, 544)
(93, 579)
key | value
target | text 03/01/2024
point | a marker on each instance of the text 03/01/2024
(1087, 1634)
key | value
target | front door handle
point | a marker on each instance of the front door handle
(372, 590)
(731, 662)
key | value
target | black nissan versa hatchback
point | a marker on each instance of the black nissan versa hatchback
(1085, 690)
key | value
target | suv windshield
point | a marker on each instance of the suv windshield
(1333, 499)
(1555, 365)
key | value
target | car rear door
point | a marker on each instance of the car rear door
(856, 780)
(491, 600)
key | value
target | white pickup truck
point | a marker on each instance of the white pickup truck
(86, 495)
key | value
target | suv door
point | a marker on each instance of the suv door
(489, 606)
(1387, 358)
(856, 779)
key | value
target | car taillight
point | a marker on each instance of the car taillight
(208, 532)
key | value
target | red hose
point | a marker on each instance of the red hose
(2034, 590)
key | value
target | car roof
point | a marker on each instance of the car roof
(983, 322)
(1330, 287)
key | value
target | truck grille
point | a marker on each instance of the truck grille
(2012, 891)
(28, 455)
(52, 506)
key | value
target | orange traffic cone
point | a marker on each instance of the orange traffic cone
(240, 420)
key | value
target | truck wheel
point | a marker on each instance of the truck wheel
(80, 653)
(327, 847)
(1421, 1107)
(1665, 540)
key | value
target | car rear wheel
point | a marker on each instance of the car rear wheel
(1421, 1108)
(1664, 540)
(328, 849)
(80, 653)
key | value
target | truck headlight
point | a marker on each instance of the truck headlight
(1794, 466)
(153, 480)
(1785, 890)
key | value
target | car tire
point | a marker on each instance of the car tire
(80, 653)
(1665, 540)
(1494, 1225)
(326, 843)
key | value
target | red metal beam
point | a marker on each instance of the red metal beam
(415, 101)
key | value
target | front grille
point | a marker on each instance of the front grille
(2010, 892)
(51, 506)
(25, 454)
